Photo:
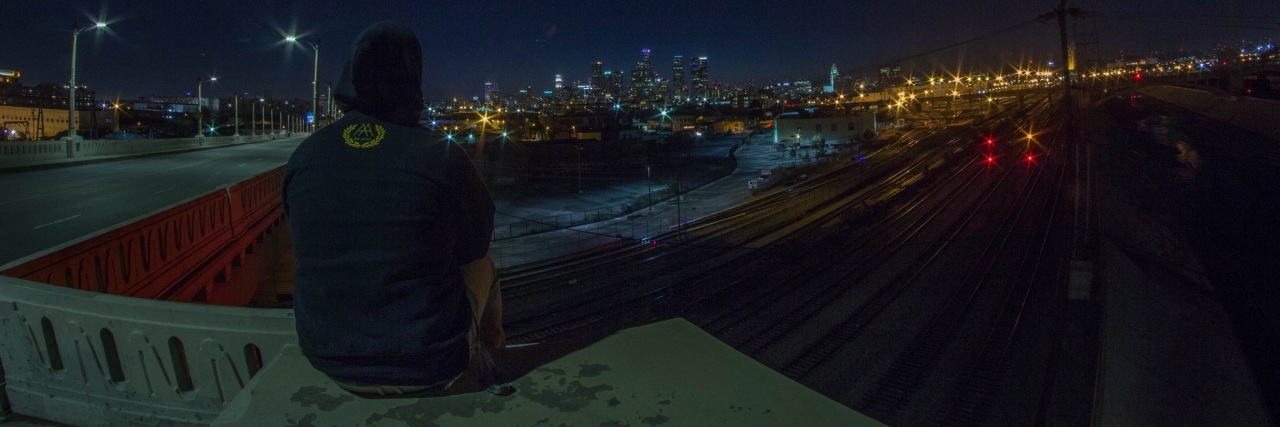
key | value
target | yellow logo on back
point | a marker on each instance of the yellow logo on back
(363, 135)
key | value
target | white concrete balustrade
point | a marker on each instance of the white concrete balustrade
(23, 153)
(87, 358)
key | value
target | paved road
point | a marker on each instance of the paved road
(47, 208)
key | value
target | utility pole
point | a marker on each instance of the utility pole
(1084, 172)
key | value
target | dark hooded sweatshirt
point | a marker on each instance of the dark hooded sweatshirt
(383, 213)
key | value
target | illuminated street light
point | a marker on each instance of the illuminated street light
(71, 100)
(315, 79)
(200, 104)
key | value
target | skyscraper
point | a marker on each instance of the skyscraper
(616, 85)
(698, 75)
(642, 76)
(679, 90)
(597, 75)
(488, 91)
(831, 87)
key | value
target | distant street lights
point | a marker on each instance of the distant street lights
(200, 103)
(315, 79)
(71, 100)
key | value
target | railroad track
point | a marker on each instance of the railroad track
(596, 275)
(906, 375)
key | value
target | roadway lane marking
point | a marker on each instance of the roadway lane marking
(164, 190)
(55, 222)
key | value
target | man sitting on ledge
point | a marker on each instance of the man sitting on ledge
(394, 290)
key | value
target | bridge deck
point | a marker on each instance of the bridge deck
(669, 371)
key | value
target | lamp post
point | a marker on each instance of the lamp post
(200, 104)
(116, 122)
(648, 171)
(71, 100)
(315, 78)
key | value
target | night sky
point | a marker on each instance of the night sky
(161, 47)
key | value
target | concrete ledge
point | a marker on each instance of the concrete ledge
(666, 372)
(1170, 355)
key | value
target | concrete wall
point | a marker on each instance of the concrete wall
(1253, 114)
(55, 120)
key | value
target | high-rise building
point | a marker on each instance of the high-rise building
(559, 82)
(698, 76)
(597, 75)
(617, 83)
(831, 87)
(642, 79)
(679, 90)
(488, 91)
(637, 82)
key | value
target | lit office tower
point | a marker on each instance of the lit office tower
(606, 83)
(831, 87)
(679, 90)
(559, 82)
(642, 84)
(488, 91)
(615, 85)
(597, 75)
(698, 76)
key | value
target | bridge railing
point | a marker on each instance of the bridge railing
(20, 152)
(23, 153)
(86, 358)
(178, 253)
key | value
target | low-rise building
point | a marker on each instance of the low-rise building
(804, 128)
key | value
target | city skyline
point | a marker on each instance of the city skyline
(156, 48)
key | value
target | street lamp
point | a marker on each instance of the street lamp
(71, 100)
(315, 78)
(116, 122)
(200, 103)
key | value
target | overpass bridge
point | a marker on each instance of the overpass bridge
(80, 355)
(123, 303)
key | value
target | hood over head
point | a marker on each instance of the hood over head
(383, 75)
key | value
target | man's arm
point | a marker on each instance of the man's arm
(479, 276)
(481, 279)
